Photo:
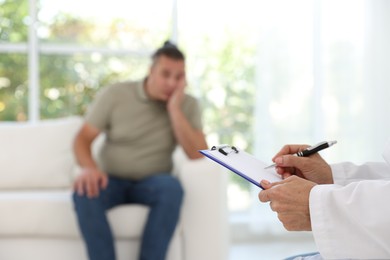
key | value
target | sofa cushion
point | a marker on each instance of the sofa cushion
(51, 214)
(37, 155)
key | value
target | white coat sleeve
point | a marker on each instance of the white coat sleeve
(345, 173)
(353, 221)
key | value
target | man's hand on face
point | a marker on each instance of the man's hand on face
(90, 182)
(176, 98)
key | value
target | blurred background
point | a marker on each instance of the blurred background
(266, 73)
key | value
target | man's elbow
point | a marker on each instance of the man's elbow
(194, 155)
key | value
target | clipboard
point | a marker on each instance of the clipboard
(242, 163)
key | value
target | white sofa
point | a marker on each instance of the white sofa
(37, 220)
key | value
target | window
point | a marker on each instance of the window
(13, 60)
(55, 55)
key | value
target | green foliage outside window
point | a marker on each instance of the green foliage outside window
(13, 87)
(225, 77)
(69, 83)
(13, 20)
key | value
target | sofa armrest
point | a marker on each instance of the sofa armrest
(204, 216)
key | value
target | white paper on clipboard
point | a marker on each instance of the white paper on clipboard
(242, 163)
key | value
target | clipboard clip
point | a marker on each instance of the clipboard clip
(225, 149)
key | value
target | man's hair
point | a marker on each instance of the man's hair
(169, 50)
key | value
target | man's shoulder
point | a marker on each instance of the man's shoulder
(190, 99)
(123, 85)
(190, 104)
(120, 88)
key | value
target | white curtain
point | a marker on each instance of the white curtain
(377, 74)
(323, 73)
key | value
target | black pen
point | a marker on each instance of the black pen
(310, 150)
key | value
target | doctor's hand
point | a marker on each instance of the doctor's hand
(313, 167)
(90, 182)
(290, 199)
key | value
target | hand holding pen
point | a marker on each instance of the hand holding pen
(310, 150)
(295, 160)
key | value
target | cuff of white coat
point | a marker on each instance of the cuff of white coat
(338, 173)
(321, 221)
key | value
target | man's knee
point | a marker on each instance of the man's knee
(84, 204)
(172, 190)
(80, 201)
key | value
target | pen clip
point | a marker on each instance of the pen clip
(315, 146)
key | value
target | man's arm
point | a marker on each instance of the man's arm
(91, 178)
(189, 138)
(82, 146)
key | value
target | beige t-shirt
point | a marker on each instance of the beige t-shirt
(139, 137)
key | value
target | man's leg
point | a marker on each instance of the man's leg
(92, 219)
(164, 195)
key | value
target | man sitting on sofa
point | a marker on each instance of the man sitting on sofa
(143, 122)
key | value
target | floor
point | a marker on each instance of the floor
(257, 234)
(271, 250)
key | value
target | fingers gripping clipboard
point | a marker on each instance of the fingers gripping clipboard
(242, 163)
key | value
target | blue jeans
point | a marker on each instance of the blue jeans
(162, 193)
